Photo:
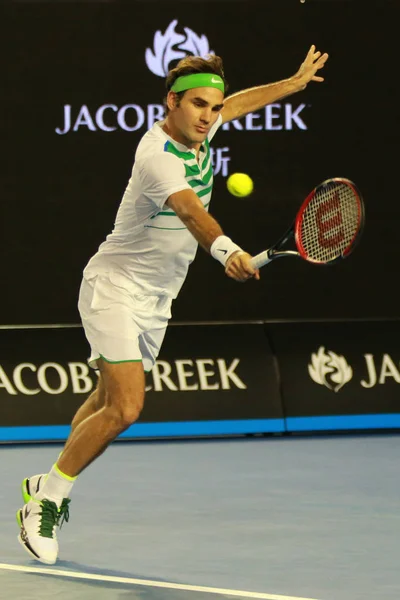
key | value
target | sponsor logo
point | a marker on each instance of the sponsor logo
(133, 117)
(51, 377)
(185, 375)
(172, 46)
(379, 371)
(329, 369)
(110, 117)
(333, 371)
(181, 375)
(169, 47)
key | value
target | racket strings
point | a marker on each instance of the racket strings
(330, 222)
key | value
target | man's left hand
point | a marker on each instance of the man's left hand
(313, 62)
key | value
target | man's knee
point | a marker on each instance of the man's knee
(124, 389)
(125, 411)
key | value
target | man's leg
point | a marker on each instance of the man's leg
(31, 485)
(123, 385)
(92, 404)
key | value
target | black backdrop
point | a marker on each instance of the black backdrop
(60, 193)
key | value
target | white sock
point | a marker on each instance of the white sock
(56, 487)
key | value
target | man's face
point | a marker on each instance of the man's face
(191, 120)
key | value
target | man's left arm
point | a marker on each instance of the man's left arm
(252, 99)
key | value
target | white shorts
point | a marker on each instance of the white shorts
(119, 326)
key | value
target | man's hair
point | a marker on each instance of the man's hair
(194, 64)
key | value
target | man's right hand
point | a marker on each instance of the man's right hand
(239, 267)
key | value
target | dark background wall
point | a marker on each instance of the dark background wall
(60, 193)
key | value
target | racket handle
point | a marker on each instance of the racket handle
(261, 259)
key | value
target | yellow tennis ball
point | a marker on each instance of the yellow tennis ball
(240, 184)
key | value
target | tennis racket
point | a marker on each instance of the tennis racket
(326, 228)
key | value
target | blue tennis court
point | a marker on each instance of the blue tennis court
(272, 518)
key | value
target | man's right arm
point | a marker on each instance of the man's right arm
(192, 213)
(206, 230)
(162, 178)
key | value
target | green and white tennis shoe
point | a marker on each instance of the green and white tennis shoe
(38, 521)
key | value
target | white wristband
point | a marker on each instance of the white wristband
(222, 248)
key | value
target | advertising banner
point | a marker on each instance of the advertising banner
(83, 82)
(338, 375)
(208, 380)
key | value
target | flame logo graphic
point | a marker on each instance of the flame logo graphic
(171, 45)
(329, 369)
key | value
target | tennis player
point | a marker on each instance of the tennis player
(129, 284)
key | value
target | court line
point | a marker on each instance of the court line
(147, 583)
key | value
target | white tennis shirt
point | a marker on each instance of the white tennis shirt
(150, 249)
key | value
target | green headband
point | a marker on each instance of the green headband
(187, 82)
